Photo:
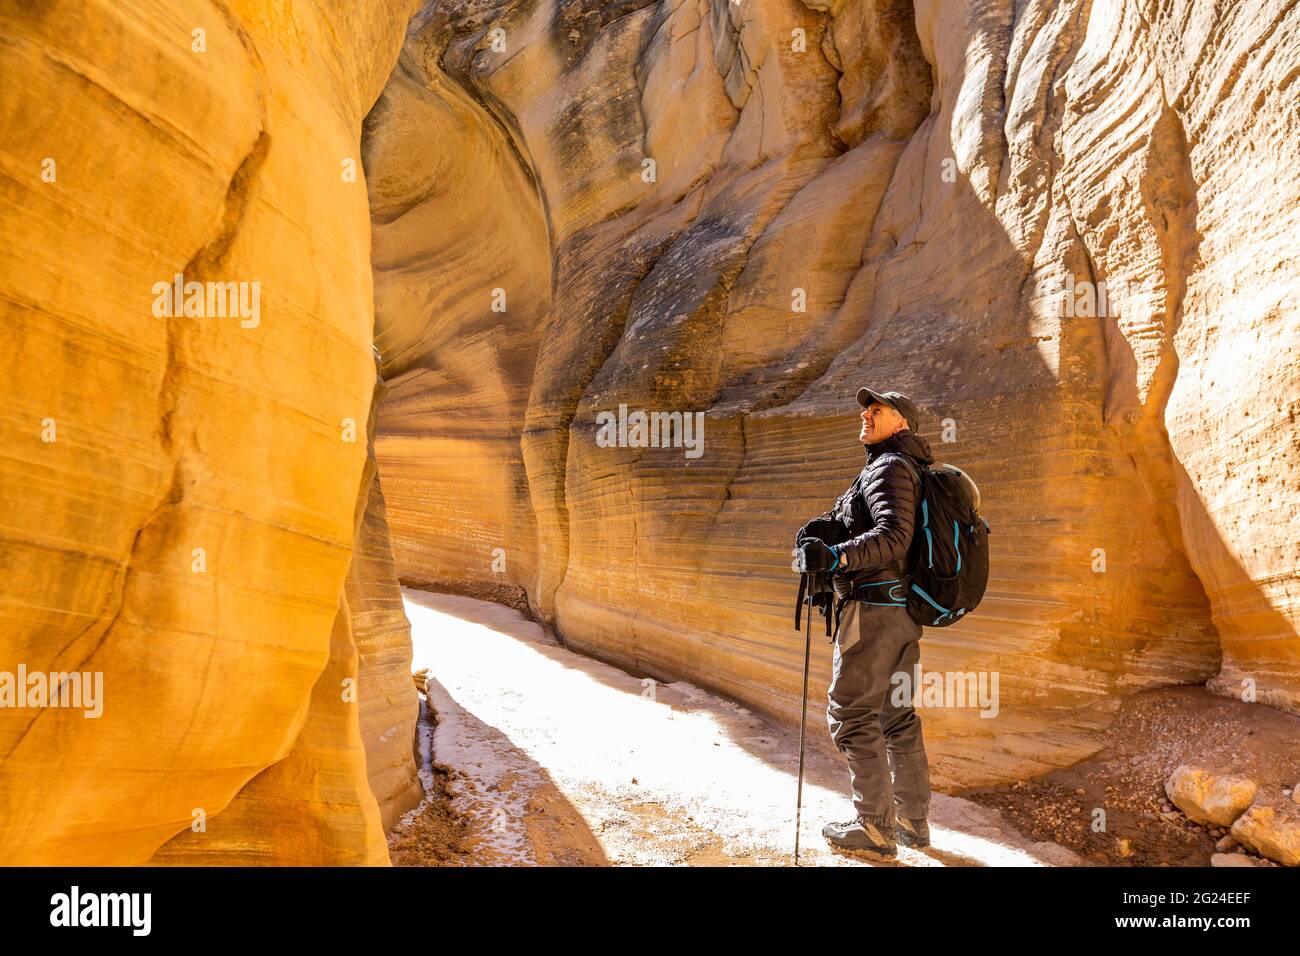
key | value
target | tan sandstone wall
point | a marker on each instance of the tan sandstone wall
(180, 433)
(930, 175)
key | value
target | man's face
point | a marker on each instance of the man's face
(879, 422)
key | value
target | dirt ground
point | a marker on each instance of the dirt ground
(1153, 733)
(541, 756)
(442, 836)
(437, 833)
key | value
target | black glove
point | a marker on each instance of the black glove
(822, 528)
(814, 555)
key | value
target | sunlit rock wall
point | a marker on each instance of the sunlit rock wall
(181, 491)
(1065, 228)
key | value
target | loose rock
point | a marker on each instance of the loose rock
(1230, 859)
(1273, 831)
(1210, 798)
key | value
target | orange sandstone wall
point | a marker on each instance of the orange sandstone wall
(749, 210)
(181, 492)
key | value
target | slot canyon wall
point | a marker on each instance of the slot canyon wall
(190, 507)
(195, 509)
(579, 205)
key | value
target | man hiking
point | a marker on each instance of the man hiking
(863, 543)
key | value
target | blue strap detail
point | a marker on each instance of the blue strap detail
(929, 600)
(925, 526)
(956, 545)
(933, 603)
(872, 584)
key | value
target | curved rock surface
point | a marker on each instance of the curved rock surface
(351, 773)
(748, 210)
(182, 492)
(740, 211)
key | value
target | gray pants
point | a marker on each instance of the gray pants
(868, 724)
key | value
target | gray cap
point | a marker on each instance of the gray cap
(895, 400)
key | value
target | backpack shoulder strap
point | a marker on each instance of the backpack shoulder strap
(907, 460)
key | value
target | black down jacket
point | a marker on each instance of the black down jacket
(873, 520)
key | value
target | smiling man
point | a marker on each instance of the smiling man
(875, 637)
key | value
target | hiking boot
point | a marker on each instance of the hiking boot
(861, 836)
(913, 832)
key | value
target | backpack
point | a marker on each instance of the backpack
(949, 555)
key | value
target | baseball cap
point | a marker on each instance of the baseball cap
(895, 400)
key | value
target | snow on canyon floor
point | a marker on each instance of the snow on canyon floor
(544, 756)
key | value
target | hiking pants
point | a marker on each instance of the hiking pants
(879, 732)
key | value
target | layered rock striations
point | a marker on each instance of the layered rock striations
(1065, 228)
(184, 479)
(351, 773)
(1062, 227)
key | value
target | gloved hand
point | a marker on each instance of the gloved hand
(823, 528)
(815, 555)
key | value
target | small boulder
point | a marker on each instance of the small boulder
(1272, 831)
(1231, 859)
(1227, 844)
(1210, 798)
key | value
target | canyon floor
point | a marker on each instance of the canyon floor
(534, 754)
(1153, 733)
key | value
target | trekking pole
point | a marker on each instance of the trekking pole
(803, 717)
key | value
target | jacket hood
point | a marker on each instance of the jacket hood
(905, 442)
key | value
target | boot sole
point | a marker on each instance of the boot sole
(865, 851)
(861, 853)
(915, 844)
